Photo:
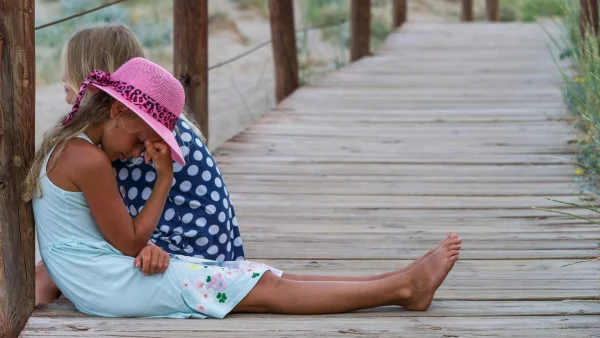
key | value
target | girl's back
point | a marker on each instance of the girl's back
(63, 216)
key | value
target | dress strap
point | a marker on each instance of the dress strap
(84, 136)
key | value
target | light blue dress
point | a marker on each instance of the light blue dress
(101, 281)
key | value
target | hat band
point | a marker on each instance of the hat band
(130, 93)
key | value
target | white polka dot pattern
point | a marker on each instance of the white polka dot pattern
(198, 218)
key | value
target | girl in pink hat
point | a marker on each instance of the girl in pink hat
(192, 222)
(88, 239)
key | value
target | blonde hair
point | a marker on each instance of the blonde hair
(106, 47)
(93, 112)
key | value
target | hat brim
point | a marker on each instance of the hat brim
(161, 130)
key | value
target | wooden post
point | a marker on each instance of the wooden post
(588, 16)
(360, 28)
(467, 10)
(285, 57)
(400, 9)
(190, 58)
(17, 141)
(492, 8)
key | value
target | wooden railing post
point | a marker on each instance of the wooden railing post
(588, 16)
(285, 57)
(400, 9)
(190, 58)
(467, 10)
(492, 8)
(360, 28)
(17, 140)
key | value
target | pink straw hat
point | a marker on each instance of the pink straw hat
(148, 90)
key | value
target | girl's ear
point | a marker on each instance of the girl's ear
(117, 109)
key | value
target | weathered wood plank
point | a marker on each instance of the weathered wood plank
(285, 326)
(441, 308)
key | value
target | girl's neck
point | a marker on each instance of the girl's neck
(95, 134)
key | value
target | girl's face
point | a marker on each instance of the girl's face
(70, 94)
(125, 133)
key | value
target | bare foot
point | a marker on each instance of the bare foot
(429, 275)
(422, 258)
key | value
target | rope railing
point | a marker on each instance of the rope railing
(268, 42)
(78, 14)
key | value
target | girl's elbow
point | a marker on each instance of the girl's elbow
(133, 249)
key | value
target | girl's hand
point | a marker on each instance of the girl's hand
(152, 259)
(160, 154)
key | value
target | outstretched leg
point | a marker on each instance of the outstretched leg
(413, 289)
(296, 277)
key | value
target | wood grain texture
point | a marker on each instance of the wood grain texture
(17, 99)
(285, 58)
(190, 57)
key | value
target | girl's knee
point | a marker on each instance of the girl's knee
(262, 298)
(268, 283)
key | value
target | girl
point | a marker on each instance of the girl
(189, 225)
(87, 237)
(201, 225)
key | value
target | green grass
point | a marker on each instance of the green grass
(531, 10)
(582, 93)
(582, 98)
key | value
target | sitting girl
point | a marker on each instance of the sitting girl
(188, 225)
(88, 239)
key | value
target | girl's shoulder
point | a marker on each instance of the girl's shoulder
(72, 160)
(78, 150)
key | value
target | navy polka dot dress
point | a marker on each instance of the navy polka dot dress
(198, 219)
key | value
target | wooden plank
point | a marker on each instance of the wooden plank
(190, 57)
(360, 28)
(285, 326)
(17, 121)
(285, 58)
(402, 173)
(359, 185)
(440, 308)
(429, 158)
(369, 215)
(322, 201)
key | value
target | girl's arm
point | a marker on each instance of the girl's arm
(95, 177)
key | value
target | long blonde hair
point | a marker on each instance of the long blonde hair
(106, 47)
(93, 112)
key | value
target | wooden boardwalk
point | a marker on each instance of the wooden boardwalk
(448, 127)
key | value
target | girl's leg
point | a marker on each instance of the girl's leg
(45, 289)
(295, 277)
(413, 290)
